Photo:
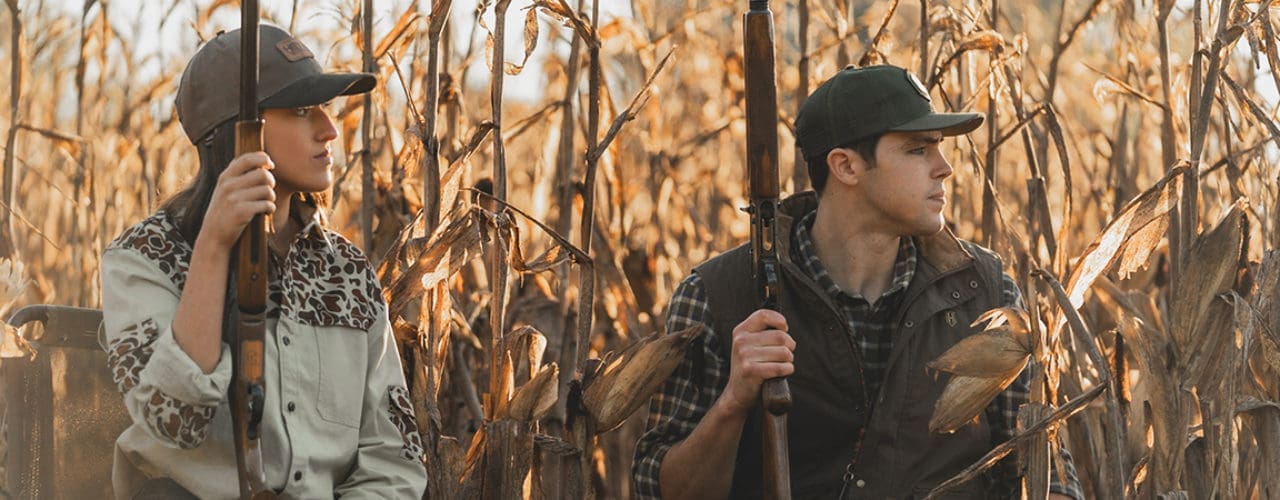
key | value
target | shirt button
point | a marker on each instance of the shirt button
(291, 406)
(297, 476)
(860, 483)
(955, 295)
(973, 284)
(286, 340)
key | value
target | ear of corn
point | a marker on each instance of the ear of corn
(626, 381)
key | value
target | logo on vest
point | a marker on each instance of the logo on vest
(951, 318)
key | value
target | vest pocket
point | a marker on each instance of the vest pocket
(342, 357)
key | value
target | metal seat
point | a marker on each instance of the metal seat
(62, 410)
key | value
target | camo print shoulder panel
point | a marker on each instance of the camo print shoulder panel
(330, 283)
(158, 239)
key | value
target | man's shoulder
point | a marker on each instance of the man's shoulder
(980, 252)
(729, 261)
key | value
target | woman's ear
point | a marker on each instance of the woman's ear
(845, 166)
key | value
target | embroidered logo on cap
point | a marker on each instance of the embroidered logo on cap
(294, 50)
(915, 82)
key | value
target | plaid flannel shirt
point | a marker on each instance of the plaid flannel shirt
(691, 390)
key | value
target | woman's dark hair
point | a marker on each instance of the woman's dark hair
(817, 164)
(216, 150)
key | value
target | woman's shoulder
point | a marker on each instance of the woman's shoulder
(148, 233)
(158, 240)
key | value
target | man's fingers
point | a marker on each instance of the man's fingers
(764, 319)
(766, 354)
(767, 337)
(767, 370)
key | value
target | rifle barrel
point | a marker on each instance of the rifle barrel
(762, 168)
(247, 313)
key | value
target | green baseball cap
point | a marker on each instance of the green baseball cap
(288, 77)
(858, 103)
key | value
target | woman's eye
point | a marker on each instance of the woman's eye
(303, 111)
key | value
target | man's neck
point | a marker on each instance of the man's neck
(859, 258)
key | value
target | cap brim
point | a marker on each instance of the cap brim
(319, 89)
(947, 123)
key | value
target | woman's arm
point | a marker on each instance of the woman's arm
(245, 189)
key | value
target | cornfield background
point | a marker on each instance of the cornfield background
(1126, 173)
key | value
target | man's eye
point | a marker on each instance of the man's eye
(916, 151)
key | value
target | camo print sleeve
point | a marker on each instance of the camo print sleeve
(163, 389)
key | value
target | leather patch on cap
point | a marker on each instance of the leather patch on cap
(915, 82)
(294, 50)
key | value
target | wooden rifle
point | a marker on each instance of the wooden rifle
(245, 329)
(762, 169)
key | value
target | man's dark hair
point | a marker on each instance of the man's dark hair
(818, 171)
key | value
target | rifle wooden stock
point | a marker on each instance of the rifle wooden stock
(248, 310)
(762, 168)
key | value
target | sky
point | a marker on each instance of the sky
(174, 41)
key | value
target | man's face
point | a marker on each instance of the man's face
(904, 189)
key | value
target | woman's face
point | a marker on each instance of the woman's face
(297, 140)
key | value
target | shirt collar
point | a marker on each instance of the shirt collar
(904, 266)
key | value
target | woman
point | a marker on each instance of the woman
(337, 419)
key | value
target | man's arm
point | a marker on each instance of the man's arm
(1003, 413)
(695, 425)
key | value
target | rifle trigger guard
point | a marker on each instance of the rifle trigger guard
(255, 401)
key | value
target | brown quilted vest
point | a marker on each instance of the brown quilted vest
(954, 282)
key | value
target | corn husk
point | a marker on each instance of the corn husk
(963, 399)
(627, 380)
(533, 399)
(983, 365)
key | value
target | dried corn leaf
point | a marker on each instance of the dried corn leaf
(530, 42)
(456, 245)
(1211, 269)
(562, 12)
(990, 354)
(963, 399)
(1152, 206)
(1207, 358)
(533, 399)
(1016, 318)
(505, 386)
(13, 284)
(529, 342)
(987, 40)
(399, 35)
(12, 345)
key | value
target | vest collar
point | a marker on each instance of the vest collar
(941, 250)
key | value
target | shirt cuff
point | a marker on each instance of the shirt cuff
(173, 372)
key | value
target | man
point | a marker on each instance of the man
(873, 287)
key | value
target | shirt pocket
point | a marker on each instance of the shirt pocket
(343, 355)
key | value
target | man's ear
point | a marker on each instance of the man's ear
(845, 166)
